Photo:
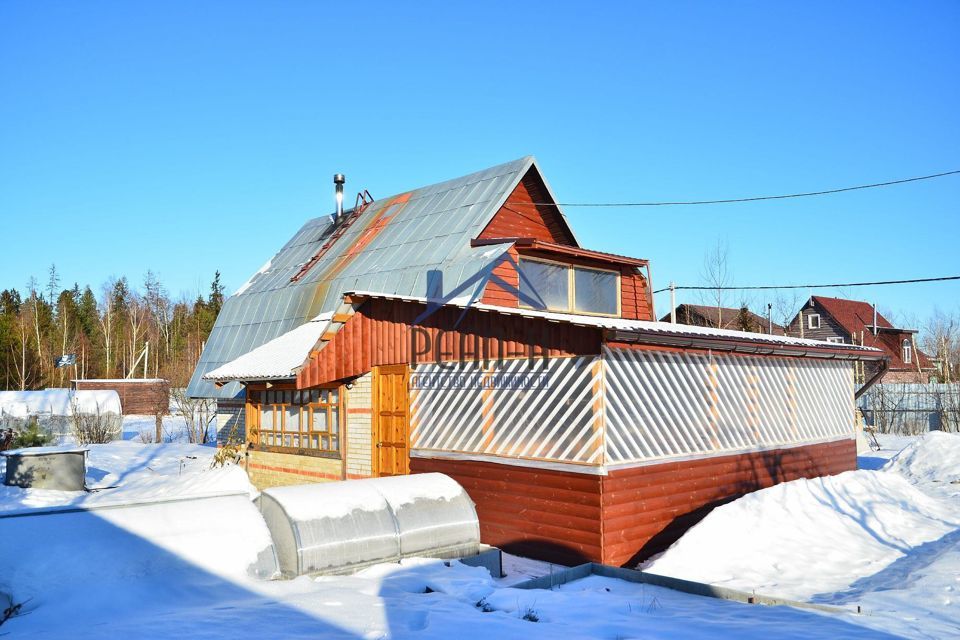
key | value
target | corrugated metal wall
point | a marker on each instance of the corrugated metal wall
(452, 411)
(666, 404)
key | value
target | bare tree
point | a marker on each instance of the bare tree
(716, 275)
(786, 305)
(940, 336)
(106, 320)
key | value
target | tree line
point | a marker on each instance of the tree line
(118, 331)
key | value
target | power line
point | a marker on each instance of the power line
(732, 200)
(810, 286)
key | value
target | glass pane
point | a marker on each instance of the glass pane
(304, 420)
(315, 395)
(334, 420)
(286, 440)
(325, 443)
(319, 419)
(287, 397)
(314, 442)
(266, 420)
(293, 418)
(595, 291)
(271, 396)
(296, 397)
(334, 443)
(543, 285)
(296, 441)
(334, 394)
(270, 439)
(324, 395)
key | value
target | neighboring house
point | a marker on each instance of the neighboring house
(461, 328)
(844, 321)
(743, 319)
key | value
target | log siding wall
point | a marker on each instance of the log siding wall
(628, 515)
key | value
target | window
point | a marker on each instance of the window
(906, 351)
(307, 420)
(813, 321)
(836, 339)
(595, 291)
(563, 287)
(544, 285)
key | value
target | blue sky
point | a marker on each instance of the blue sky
(188, 137)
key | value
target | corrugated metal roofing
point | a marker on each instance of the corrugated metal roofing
(645, 326)
(277, 359)
(390, 247)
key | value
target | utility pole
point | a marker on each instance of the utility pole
(673, 303)
(770, 318)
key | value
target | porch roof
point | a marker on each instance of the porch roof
(278, 359)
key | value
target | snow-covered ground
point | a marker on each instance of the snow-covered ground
(885, 539)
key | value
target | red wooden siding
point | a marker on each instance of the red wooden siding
(629, 515)
(379, 333)
(635, 301)
(495, 293)
(549, 515)
(519, 217)
(646, 509)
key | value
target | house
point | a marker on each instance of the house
(742, 319)
(842, 321)
(461, 328)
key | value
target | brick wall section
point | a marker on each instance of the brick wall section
(231, 422)
(139, 397)
(269, 469)
(359, 427)
(628, 515)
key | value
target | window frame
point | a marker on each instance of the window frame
(906, 351)
(836, 339)
(571, 287)
(810, 317)
(306, 413)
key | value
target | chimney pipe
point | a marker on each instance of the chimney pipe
(874, 320)
(338, 181)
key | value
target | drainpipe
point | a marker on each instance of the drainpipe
(874, 379)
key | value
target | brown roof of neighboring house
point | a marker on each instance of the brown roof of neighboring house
(704, 315)
(856, 316)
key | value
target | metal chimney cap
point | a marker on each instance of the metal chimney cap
(338, 178)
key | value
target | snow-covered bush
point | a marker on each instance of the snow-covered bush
(91, 425)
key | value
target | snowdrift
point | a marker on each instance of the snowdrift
(809, 537)
(90, 555)
(933, 458)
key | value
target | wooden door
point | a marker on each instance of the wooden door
(391, 429)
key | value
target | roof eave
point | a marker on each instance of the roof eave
(755, 347)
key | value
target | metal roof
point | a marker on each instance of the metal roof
(390, 247)
(658, 332)
(277, 359)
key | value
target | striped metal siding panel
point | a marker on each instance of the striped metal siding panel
(562, 422)
(665, 404)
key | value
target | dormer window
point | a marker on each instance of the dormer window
(556, 286)
(813, 321)
(906, 351)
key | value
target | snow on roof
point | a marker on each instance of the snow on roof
(279, 358)
(644, 326)
(43, 451)
(58, 402)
